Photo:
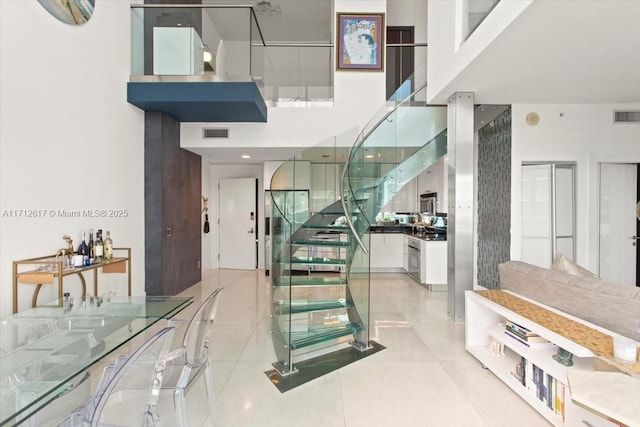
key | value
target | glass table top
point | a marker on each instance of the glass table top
(43, 349)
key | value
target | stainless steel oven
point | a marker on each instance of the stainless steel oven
(413, 263)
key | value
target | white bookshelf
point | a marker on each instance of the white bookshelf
(483, 319)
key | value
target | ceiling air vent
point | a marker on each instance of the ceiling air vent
(626, 116)
(215, 133)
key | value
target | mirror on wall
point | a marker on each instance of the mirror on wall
(72, 12)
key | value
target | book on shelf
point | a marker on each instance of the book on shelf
(520, 330)
(537, 342)
(523, 333)
(519, 371)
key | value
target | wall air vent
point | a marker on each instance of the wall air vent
(215, 133)
(626, 116)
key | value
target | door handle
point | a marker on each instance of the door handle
(635, 237)
(250, 231)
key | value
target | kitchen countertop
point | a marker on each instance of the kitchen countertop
(432, 233)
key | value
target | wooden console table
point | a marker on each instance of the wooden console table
(44, 270)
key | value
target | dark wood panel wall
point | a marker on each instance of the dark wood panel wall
(173, 190)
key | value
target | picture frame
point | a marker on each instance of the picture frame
(360, 41)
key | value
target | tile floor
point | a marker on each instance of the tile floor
(423, 378)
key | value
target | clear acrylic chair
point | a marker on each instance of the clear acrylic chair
(128, 390)
(191, 361)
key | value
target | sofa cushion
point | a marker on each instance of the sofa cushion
(565, 265)
(610, 305)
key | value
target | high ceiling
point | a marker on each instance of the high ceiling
(290, 21)
(562, 51)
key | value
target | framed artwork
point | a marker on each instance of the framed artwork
(72, 12)
(360, 41)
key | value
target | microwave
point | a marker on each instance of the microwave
(428, 203)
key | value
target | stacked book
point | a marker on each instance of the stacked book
(546, 388)
(525, 336)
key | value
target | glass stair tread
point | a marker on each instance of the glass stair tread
(310, 281)
(327, 213)
(318, 261)
(326, 227)
(330, 243)
(309, 306)
(300, 339)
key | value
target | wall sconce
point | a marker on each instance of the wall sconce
(207, 56)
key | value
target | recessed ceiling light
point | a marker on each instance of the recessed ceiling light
(245, 156)
(369, 156)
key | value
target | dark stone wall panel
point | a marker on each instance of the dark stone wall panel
(494, 198)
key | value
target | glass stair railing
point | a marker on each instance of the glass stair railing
(320, 266)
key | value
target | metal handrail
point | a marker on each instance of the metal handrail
(346, 167)
(346, 214)
(202, 6)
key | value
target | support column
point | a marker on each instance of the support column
(460, 206)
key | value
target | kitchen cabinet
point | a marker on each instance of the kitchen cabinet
(405, 253)
(325, 185)
(386, 251)
(299, 175)
(434, 180)
(434, 257)
(405, 200)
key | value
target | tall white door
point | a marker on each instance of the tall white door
(238, 248)
(618, 198)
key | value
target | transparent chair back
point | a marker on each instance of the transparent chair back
(198, 334)
(130, 397)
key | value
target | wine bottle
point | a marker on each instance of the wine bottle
(83, 249)
(90, 245)
(108, 246)
(98, 247)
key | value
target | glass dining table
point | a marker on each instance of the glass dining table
(46, 352)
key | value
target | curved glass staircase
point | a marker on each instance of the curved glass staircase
(320, 266)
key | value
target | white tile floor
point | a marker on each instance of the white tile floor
(424, 377)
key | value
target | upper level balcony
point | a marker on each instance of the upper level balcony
(202, 63)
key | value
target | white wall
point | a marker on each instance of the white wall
(358, 95)
(448, 55)
(581, 133)
(69, 139)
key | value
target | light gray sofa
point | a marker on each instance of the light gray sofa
(612, 306)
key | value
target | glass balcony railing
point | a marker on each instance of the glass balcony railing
(298, 74)
(226, 44)
(195, 42)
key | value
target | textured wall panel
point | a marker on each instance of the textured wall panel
(494, 198)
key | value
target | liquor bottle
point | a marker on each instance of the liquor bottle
(91, 249)
(98, 247)
(108, 246)
(83, 249)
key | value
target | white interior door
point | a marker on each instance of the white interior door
(238, 248)
(618, 197)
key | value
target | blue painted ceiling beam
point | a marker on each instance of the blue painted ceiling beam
(200, 101)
